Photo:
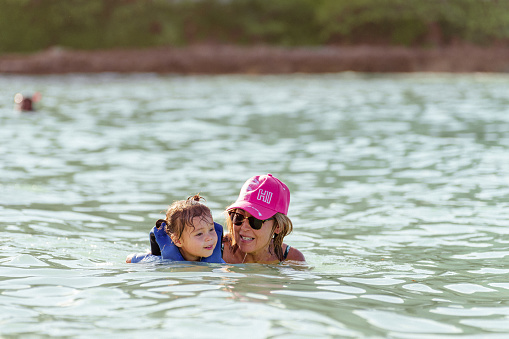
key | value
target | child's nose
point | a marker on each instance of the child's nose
(210, 235)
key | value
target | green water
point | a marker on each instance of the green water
(399, 203)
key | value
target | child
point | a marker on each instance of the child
(187, 234)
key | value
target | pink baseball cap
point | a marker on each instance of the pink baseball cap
(263, 196)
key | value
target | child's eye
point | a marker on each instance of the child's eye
(198, 234)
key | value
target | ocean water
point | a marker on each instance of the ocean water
(400, 204)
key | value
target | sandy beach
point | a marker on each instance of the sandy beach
(225, 59)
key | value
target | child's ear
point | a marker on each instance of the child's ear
(176, 240)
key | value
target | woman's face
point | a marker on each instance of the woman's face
(250, 240)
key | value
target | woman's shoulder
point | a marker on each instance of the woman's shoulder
(294, 254)
(230, 254)
(227, 239)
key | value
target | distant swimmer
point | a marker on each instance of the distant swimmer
(25, 103)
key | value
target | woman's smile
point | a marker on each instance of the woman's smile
(244, 238)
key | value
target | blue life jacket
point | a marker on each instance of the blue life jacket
(163, 248)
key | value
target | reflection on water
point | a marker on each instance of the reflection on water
(399, 201)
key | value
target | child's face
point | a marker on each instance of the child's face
(199, 241)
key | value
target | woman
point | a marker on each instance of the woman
(257, 223)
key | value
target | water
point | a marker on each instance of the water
(399, 201)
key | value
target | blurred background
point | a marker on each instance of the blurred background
(30, 26)
(253, 36)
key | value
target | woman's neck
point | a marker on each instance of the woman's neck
(263, 256)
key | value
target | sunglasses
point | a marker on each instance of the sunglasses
(238, 219)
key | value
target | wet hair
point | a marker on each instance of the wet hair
(181, 214)
(26, 105)
(285, 228)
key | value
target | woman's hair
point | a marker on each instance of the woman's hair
(181, 214)
(285, 228)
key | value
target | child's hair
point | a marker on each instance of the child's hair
(181, 214)
(285, 228)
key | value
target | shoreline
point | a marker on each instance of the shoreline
(229, 59)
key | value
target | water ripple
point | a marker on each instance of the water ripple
(399, 203)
